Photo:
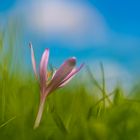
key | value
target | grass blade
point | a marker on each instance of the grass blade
(103, 83)
(7, 122)
(58, 121)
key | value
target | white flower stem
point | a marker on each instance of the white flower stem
(39, 114)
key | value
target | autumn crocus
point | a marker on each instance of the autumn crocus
(48, 84)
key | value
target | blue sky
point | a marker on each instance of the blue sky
(91, 30)
(122, 16)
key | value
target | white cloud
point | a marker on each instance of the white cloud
(69, 21)
(115, 74)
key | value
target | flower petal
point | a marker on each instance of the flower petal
(64, 70)
(33, 61)
(43, 67)
(70, 76)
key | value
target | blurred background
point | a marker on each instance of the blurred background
(94, 31)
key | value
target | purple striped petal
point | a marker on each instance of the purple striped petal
(70, 76)
(65, 81)
(43, 67)
(64, 70)
(33, 61)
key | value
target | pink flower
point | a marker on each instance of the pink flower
(59, 78)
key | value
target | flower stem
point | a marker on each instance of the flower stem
(40, 112)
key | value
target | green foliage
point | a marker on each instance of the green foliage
(71, 113)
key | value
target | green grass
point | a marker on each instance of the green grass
(70, 113)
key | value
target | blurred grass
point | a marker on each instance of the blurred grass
(70, 113)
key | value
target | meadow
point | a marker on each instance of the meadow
(71, 113)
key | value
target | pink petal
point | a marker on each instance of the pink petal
(64, 82)
(43, 67)
(70, 76)
(33, 61)
(64, 70)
